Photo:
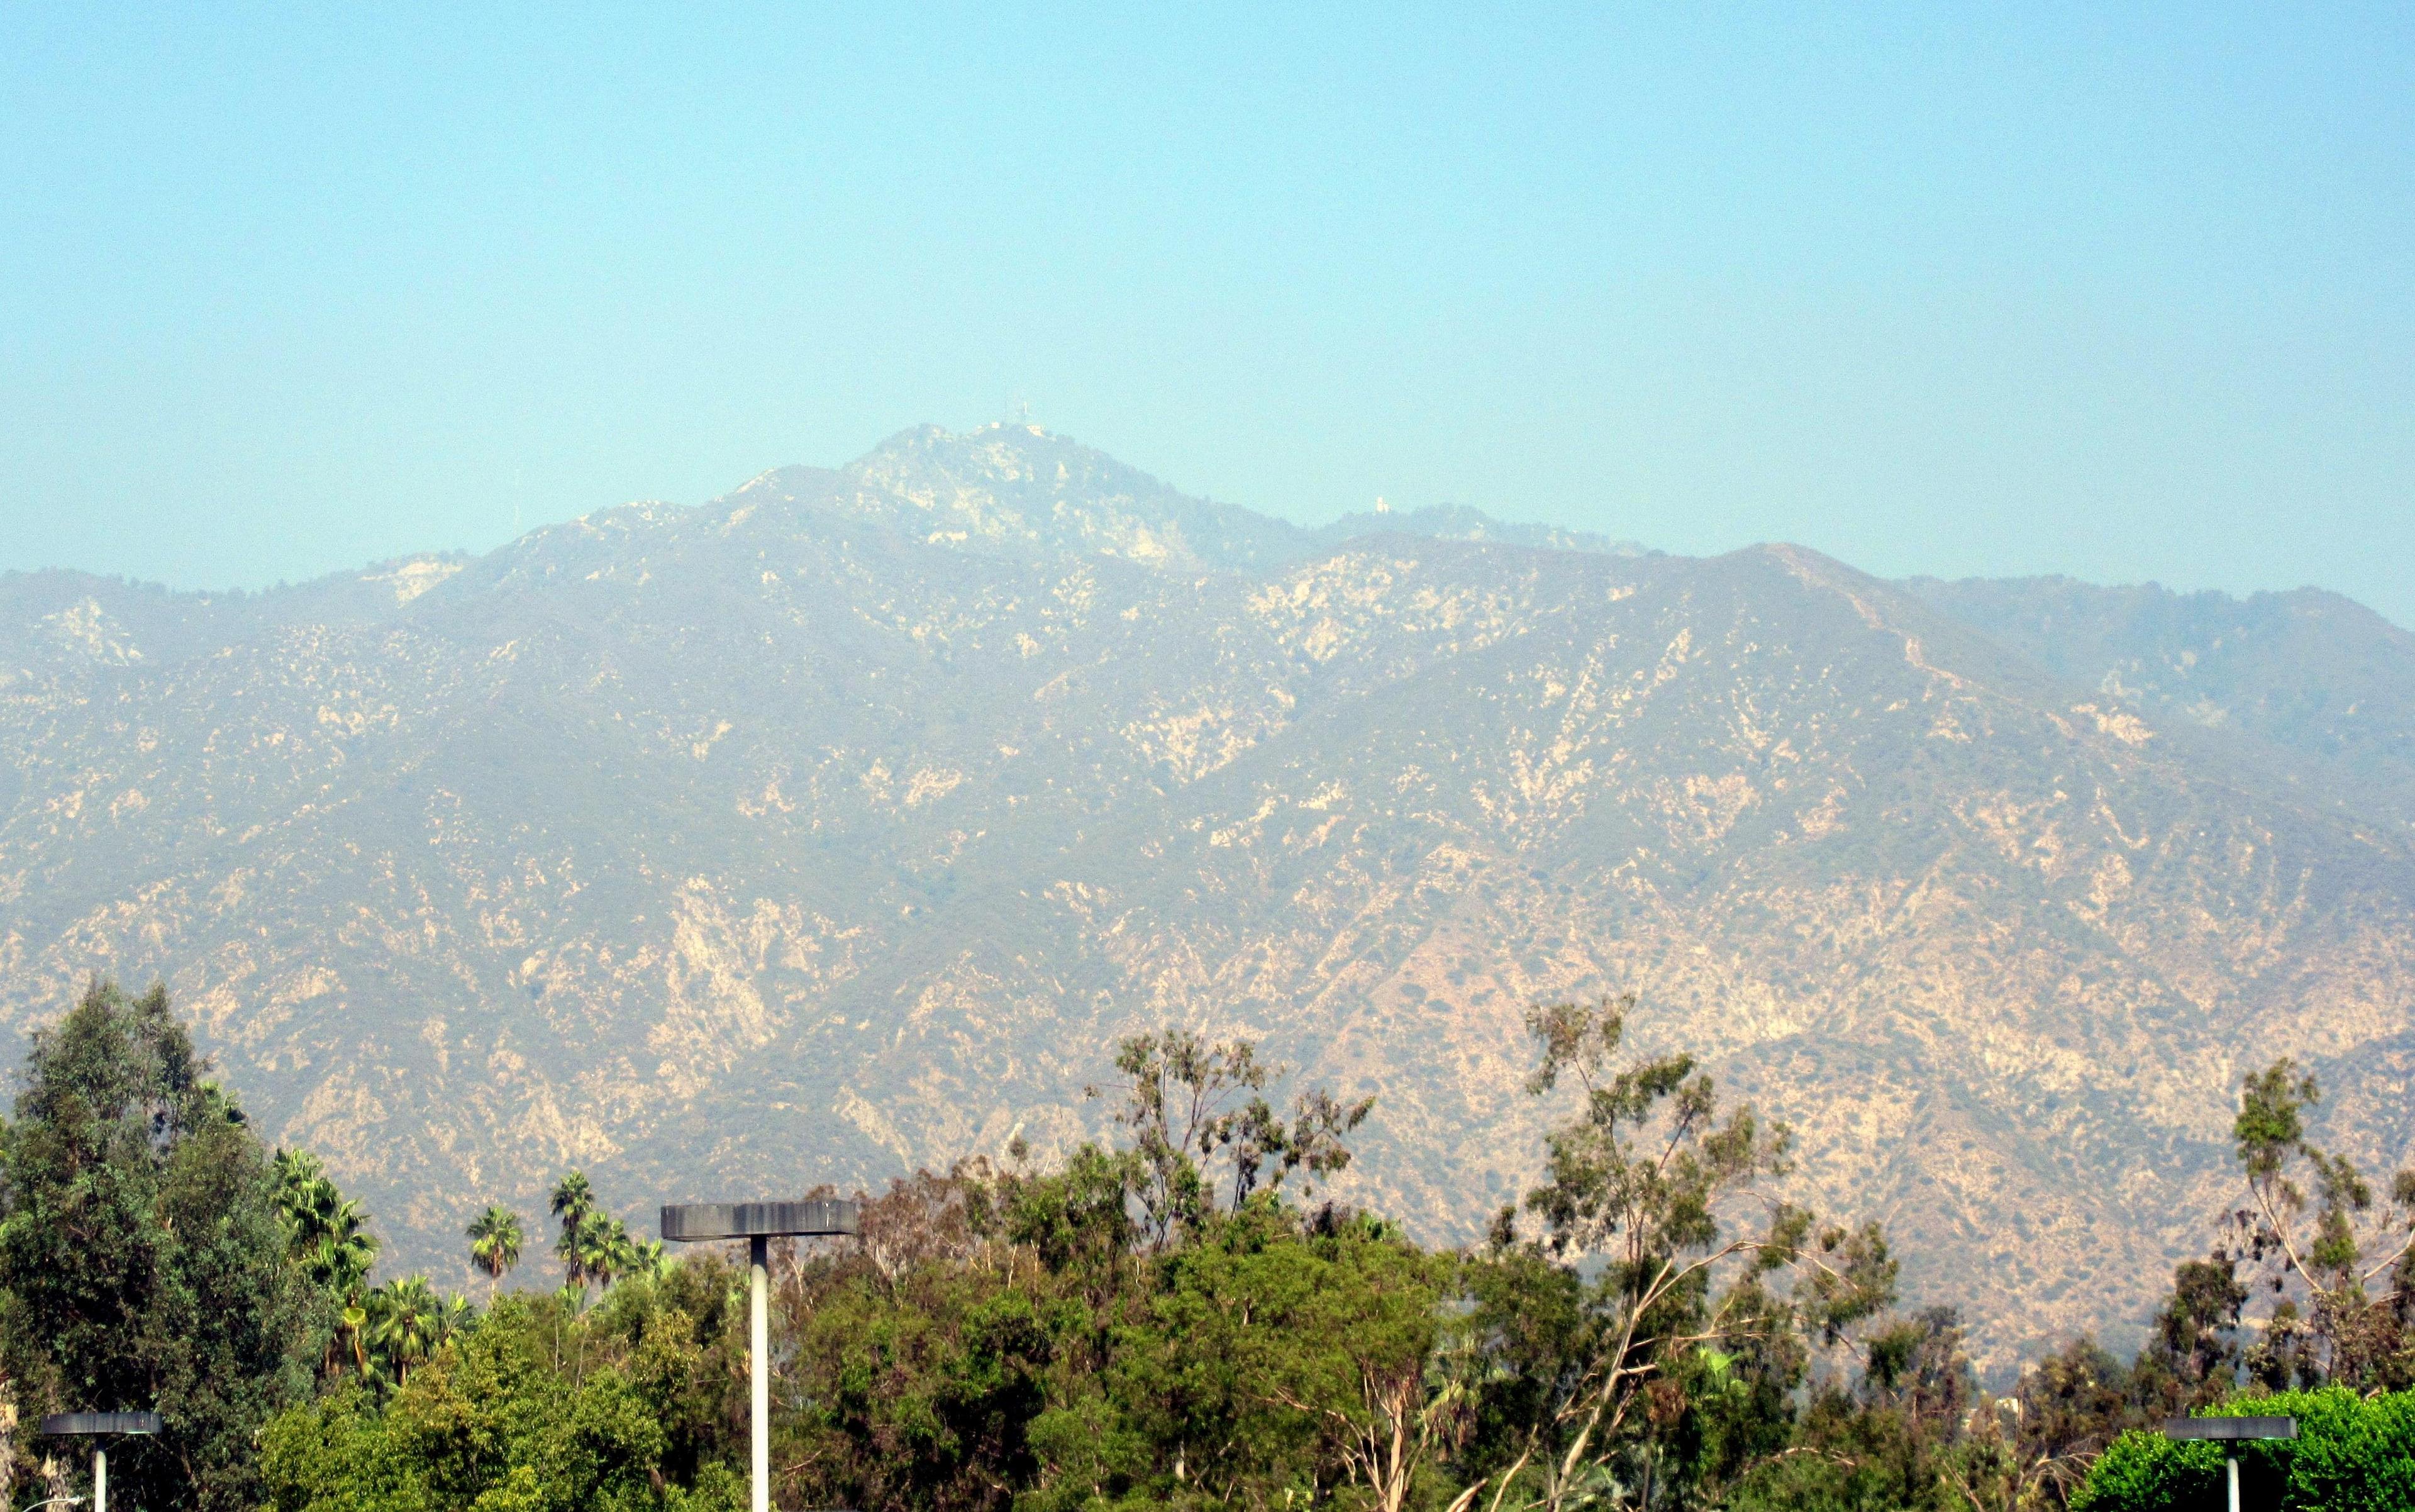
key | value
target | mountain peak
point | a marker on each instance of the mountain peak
(1020, 487)
(1021, 468)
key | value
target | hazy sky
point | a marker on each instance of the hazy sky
(1979, 290)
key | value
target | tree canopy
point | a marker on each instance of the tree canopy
(1180, 1317)
(143, 1261)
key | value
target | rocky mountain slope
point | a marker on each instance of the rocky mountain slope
(2314, 690)
(836, 827)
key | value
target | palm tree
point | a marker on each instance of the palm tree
(574, 1203)
(495, 1241)
(406, 1316)
(624, 1256)
(339, 1250)
(593, 1250)
(574, 1197)
(353, 1328)
(622, 1252)
(647, 1258)
(457, 1316)
(293, 1171)
(326, 1234)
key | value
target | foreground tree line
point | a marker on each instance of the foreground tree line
(1175, 1318)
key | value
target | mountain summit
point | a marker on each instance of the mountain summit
(1018, 488)
(838, 826)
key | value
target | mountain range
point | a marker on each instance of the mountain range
(838, 826)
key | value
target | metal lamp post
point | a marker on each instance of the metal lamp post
(2231, 1431)
(759, 1224)
(100, 1428)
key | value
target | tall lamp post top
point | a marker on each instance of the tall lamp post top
(89, 1425)
(692, 1222)
(2231, 1431)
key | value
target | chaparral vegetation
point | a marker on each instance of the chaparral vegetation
(1181, 1317)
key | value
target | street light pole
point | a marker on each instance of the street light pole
(758, 1223)
(100, 1428)
(758, 1355)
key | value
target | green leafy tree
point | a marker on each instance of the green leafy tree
(142, 1259)
(649, 1420)
(1305, 1358)
(932, 1354)
(1112, 1331)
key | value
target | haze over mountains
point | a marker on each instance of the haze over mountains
(836, 827)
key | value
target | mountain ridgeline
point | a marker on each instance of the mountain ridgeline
(838, 827)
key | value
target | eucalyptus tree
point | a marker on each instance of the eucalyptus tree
(1202, 1126)
(1672, 1211)
(2325, 1250)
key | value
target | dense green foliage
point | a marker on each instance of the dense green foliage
(2352, 1454)
(1179, 1320)
(142, 1261)
(540, 1408)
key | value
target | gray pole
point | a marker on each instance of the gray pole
(99, 1479)
(2234, 1483)
(758, 1285)
(756, 1223)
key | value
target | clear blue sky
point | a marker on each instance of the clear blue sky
(2116, 292)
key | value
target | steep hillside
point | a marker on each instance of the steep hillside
(837, 827)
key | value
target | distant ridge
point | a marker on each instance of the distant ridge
(2316, 688)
